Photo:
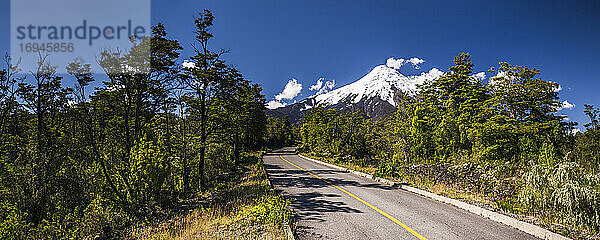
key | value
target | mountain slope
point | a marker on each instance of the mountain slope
(374, 94)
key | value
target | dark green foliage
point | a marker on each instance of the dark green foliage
(587, 145)
(280, 133)
(78, 163)
(341, 136)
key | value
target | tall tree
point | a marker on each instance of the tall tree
(206, 72)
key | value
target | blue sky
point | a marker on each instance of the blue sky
(274, 41)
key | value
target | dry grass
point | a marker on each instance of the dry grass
(356, 167)
(211, 224)
(454, 192)
(228, 214)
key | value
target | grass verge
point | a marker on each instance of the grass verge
(245, 207)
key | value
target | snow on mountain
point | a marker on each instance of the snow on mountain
(373, 94)
(383, 82)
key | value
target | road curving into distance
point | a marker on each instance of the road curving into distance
(331, 204)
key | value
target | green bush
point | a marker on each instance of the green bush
(272, 210)
(12, 221)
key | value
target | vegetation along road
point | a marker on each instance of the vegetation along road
(331, 204)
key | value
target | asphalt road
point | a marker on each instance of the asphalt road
(331, 204)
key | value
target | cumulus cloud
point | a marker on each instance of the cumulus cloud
(397, 63)
(394, 63)
(188, 64)
(317, 85)
(290, 91)
(424, 77)
(434, 73)
(500, 74)
(320, 88)
(499, 77)
(565, 117)
(480, 76)
(558, 89)
(275, 104)
(415, 62)
(566, 105)
(329, 85)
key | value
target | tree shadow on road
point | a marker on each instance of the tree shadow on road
(284, 178)
(311, 206)
(282, 151)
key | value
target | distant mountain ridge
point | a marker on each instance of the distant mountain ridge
(374, 94)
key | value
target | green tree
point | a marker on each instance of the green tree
(206, 73)
(586, 150)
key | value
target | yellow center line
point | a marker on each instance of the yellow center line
(363, 201)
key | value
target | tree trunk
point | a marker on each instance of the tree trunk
(236, 150)
(186, 171)
(202, 137)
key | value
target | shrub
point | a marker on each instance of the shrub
(272, 210)
(12, 221)
(564, 191)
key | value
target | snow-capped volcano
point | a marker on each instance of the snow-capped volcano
(382, 82)
(374, 94)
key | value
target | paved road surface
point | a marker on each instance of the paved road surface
(331, 204)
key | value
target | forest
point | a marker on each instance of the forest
(154, 140)
(158, 140)
(499, 142)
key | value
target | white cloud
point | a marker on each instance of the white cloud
(415, 62)
(397, 63)
(498, 78)
(480, 76)
(320, 88)
(566, 105)
(275, 104)
(290, 91)
(503, 74)
(188, 64)
(317, 85)
(575, 131)
(394, 63)
(329, 85)
(432, 74)
(558, 89)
